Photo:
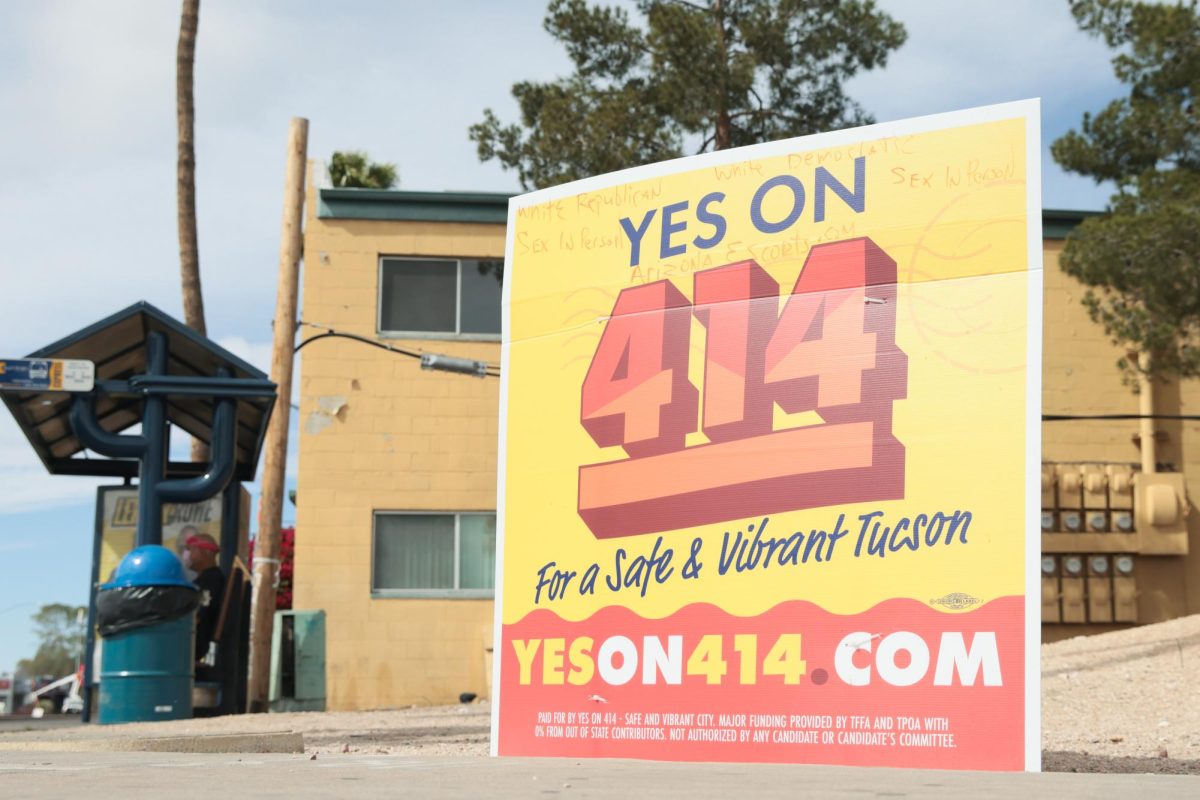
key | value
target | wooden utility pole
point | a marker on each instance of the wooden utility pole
(266, 543)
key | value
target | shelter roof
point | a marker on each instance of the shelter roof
(117, 346)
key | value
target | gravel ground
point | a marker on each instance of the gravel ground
(1127, 701)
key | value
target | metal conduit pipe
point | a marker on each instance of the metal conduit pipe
(92, 436)
(1146, 408)
(221, 465)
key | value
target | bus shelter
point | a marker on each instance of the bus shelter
(101, 402)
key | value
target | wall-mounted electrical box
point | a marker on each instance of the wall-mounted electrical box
(1160, 510)
(1049, 502)
(1120, 486)
(1050, 591)
(1099, 589)
(298, 661)
(1069, 494)
(1111, 508)
(1099, 521)
(1124, 590)
(1095, 499)
(1074, 607)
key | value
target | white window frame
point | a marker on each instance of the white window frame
(456, 334)
(455, 593)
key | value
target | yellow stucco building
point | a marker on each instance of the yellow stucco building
(1110, 555)
(393, 456)
(397, 481)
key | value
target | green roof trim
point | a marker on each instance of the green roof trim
(492, 208)
(1057, 223)
(388, 204)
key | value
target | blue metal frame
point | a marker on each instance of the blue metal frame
(150, 446)
(89, 646)
(231, 524)
(119, 345)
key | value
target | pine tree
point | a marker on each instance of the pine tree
(697, 76)
(1139, 260)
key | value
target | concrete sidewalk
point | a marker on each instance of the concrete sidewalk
(434, 731)
(459, 730)
(440, 752)
(134, 775)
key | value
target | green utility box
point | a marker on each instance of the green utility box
(298, 661)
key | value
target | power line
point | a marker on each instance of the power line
(15, 607)
(1072, 417)
(429, 360)
(493, 371)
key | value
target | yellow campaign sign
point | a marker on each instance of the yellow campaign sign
(769, 453)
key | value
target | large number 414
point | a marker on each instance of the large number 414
(831, 350)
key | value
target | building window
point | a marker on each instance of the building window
(442, 554)
(430, 297)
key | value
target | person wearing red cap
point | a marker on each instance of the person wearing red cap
(200, 554)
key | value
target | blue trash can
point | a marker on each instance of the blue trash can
(147, 616)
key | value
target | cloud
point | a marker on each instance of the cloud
(965, 54)
(258, 354)
(24, 483)
(78, 72)
(87, 207)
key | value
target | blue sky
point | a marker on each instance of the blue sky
(87, 203)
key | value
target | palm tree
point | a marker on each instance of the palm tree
(185, 182)
(353, 169)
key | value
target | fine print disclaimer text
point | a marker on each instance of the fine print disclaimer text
(853, 730)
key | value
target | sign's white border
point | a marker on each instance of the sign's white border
(1030, 111)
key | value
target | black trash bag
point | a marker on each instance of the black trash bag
(127, 608)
